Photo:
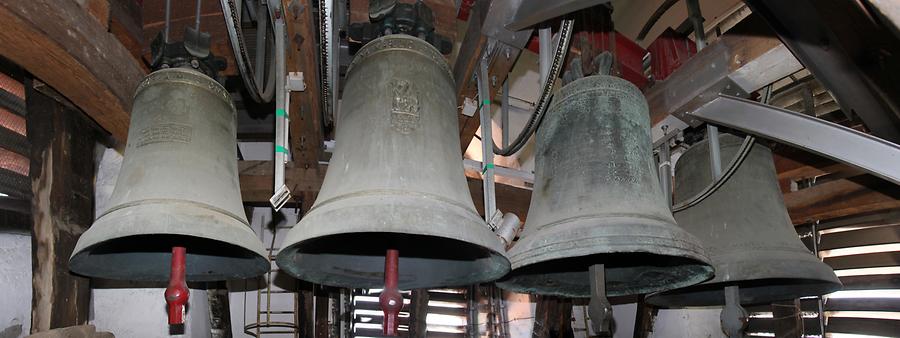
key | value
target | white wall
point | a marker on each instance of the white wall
(141, 312)
(15, 285)
(694, 322)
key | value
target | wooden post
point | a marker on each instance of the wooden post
(322, 310)
(553, 318)
(643, 322)
(306, 320)
(418, 311)
(788, 321)
(62, 178)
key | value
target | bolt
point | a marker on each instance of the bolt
(392, 302)
(493, 80)
(507, 53)
(195, 64)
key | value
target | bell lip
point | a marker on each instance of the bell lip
(811, 277)
(332, 219)
(119, 224)
(713, 294)
(668, 240)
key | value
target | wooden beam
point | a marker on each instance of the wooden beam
(418, 311)
(874, 235)
(467, 63)
(745, 59)
(306, 136)
(788, 322)
(62, 176)
(842, 197)
(552, 317)
(60, 43)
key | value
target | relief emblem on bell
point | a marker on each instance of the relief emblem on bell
(404, 106)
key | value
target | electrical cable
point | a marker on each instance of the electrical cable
(732, 167)
(559, 56)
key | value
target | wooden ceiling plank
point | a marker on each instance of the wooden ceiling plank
(65, 47)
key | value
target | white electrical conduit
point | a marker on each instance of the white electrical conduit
(282, 193)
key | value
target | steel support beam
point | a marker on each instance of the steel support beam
(847, 52)
(872, 154)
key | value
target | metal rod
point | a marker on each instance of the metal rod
(693, 7)
(545, 56)
(487, 142)
(819, 301)
(599, 307)
(715, 154)
(665, 171)
(504, 114)
(177, 292)
(197, 17)
(733, 317)
(168, 16)
(390, 299)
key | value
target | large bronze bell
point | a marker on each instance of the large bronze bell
(395, 181)
(747, 232)
(178, 186)
(597, 200)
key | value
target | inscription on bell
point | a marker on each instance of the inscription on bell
(166, 132)
(404, 106)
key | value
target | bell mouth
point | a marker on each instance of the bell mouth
(357, 260)
(758, 291)
(626, 274)
(148, 258)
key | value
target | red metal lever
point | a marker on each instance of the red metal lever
(177, 293)
(391, 300)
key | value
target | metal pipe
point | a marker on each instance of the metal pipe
(545, 47)
(504, 114)
(715, 157)
(282, 194)
(197, 17)
(819, 301)
(665, 171)
(693, 7)
(166, 26)
(487, 142)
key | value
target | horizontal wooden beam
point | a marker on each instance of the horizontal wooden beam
(871, 282)
(842, 197)
(257, 180)
(869, 236)
(65, 47)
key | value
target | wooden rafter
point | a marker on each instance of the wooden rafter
(67, 48)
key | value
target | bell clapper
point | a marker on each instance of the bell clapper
(391, 300)
(734, 317)
(177, 292)
(599, 308)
